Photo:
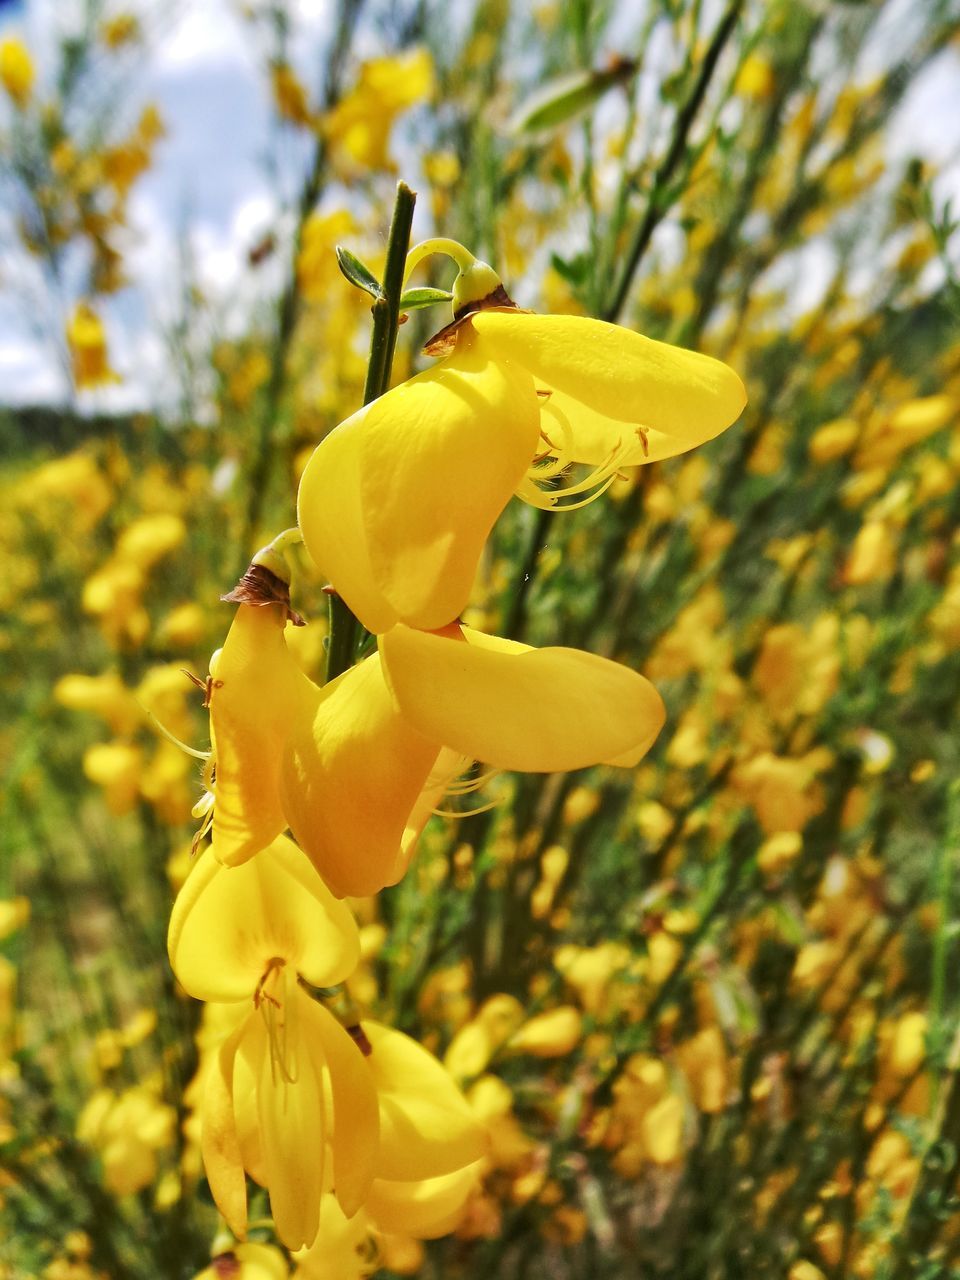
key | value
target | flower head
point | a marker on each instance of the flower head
(396, 503)
(289, 1080)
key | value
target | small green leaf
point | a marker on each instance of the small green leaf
(413, 299)
(357, 272)
(567, 97)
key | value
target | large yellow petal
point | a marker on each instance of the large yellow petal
(425, 1209)
(426, 1125)
(356, 1118)
(219, 1143)
(351, 775)
(396, 503)
(229, 923)
(257, 688)
(535, 710)
(292, 1116)
(618, 375)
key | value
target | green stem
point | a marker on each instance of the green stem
(344, 628)
(660, 201)
(942, 876)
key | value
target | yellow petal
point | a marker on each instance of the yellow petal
(536, 710)
(219, 1143)
(618, 375)
(292, 1119)
(426, 1125)
(426, 1209)
(549, 1035)
(338, 1251)
(396, 503)
(257, 688)
(352, 772)
(356, 1117)
(229, 923)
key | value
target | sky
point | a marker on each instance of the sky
(223, 176)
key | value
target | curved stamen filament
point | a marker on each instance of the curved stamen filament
(548, 501)
(464, 786)
(172, 737)
(599, 480)
(278, 1012)
(465, 813)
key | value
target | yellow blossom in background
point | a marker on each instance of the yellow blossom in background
(289, 94)
(16, 70)
(359, 126)
(119, 30)
(317, 269)
(87, 342)
(128, 1130)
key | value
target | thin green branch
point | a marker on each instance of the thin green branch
(345, 630)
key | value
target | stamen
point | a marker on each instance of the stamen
(465, 813)
(464, 786)
(278, 1015)
(191, 751)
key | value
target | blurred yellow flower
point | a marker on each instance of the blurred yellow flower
(16, 70)
(289, 94)
(358, 127)
(87, 341)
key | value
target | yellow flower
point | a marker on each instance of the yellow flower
(102, 695)
(251, 933)
(359, 125)
(87, 341)
(549, 1035)
(289, 94)
(355, 768)
(256, 689)
(370, 756)
(127, 1129)
(397, 502)
(16, 70)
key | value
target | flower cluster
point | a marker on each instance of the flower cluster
(335, 1115)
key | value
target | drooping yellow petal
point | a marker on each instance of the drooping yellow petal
(552, 1034)
(616, 374)
(257, 689)
(219, 1143)
(292, 1120)
(426, 1125)
(351, 774)
(338, 1253)
(536, 710)
(356, 1118)
(396, 503)
(230, 923)
(425, 1209)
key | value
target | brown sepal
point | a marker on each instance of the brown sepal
(260, 586)
(443, 342)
